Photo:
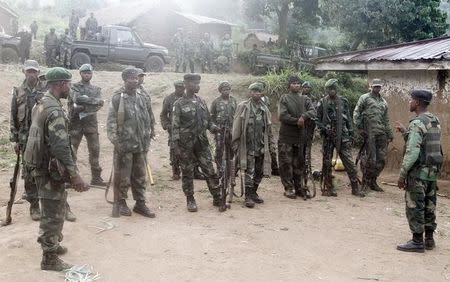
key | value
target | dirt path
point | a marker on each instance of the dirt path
(329, 239)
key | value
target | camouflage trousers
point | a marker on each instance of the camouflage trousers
(195, 152)
(346, 156)
(93, 144)
(179, 58)
(374, 157)
(31, 189)
(53, 211)
(420, 198)
(254, 172)
(131, 169)
(50, 56)
(291, 166)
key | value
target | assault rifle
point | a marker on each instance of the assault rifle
(12, 193)
(228, 170)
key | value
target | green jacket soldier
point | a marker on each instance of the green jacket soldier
(51, 44)
(372, 121)
(294, 110)
(190, 120)
(227, 48)
(166, 123)
(206, 53)
(251, 141)
(65, 53)
(178, 46)
(83, 103)
(420, 168)
(222, 114)
(24, 45)
(34, 28)
(310, 127)
(128, 126)
(189, 53)
(335, 123)
(74, 21)
(48, 156)
(24, 97)
(91, 27)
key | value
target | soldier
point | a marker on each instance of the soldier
(227, 48)
(372, 121)
(24, 44)
(64, 48)
(206, 53)
(34, 29)
(166, 122)
(294, 110)
(83, 103)
(51, 47)
(335, 123)
(178, 44)
(272, 147)
(128, 127)
(91, 27)
(251, 141)
(419, 171)
(190, 120)
(189, 53)
(310, 127)
(254, 58)
(48, 156)
(74, 21)
(222, 114)
(23, 100)
(142, 90)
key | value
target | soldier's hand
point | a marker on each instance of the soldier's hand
(400, 127)
(401, 183)
(301, 122)
(78, 184)
(17, 148)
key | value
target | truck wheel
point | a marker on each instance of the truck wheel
(79, 59)
(154, 64)
(9, 56)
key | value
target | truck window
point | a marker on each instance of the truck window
(126, 38)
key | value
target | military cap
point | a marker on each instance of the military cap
(58, 74)
(294, 78)
(140, 71)
(42, 77)
(86, 67)
(30, 65)
(256, 86)
(129, 72)
(192, 77)
(422, 95)
(178, 83)
(307, 84)
(377, 82)
(331, 83)
(224, 84)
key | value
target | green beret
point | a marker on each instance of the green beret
(129, 72)
(307, 84)
(331, 83)
(192, 77)
(224, 84)
(58, 74)
(256, 86)
(86, 67)
(178, 83)
(140, 71)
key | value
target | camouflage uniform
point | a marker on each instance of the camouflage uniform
(310, 126)
(371, 118)
(227, 49)
(73, 24)
(189, 54)
(292, 141)
(51, 44)
(206, 54)
(25, 45)
(178, 44)
(34, 29)
(91, 27)
(65, 55)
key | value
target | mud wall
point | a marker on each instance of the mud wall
(396, 91)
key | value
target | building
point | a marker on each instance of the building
(416, 65)
(8, 20)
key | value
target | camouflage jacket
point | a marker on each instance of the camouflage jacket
(291, 107)
(371, 115)
(178, 44)
(91, 25)
(222, 111)
(227, 47)
(166, 112)
(206, 48)
(143, 91)
(189, 48)
(89, 97)
(135, 132)
(50, 40)
(23, 100)
(331, 113)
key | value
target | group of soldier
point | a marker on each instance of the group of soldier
(187, 52)
(48, 141)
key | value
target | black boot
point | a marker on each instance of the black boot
(256, 198)
(429, 240)
(414, 245)
(191, 204)
(98, 181)
(290, 193)
(142, 209)
(374, 186)
(216, 200)
(35, 212)
(356, 191)
(61, 250)
(51, 261)
(249, 203)
(123, 208)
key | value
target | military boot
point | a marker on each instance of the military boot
(123, 208)
(175, 173)
(69, 216)
(35, 212)
(191, 204)
(216, 200)
(329, 192)
(98, 181)
(256, 198)
(61, 250)
(290, 193)
(414, 245)
(51, 261)
(198, 174)
(356, 191)
(142, 209)
(374, 186)
(429, 240)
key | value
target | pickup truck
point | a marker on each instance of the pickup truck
(122, 45)
(9, 49)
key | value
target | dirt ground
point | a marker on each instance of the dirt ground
(329, 239)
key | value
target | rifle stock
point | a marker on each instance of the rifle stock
(12, 193)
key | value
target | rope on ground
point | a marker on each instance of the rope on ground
(81, 273)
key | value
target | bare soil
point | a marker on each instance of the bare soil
(330, 239)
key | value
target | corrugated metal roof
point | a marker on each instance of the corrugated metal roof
(202, 19)
(431, 49)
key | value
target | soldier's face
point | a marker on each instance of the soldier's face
(86, 76)
(141, 79)
(376, 89)
(295, 86)
(179, 89)
(306, 90)
(193, 86)
(256, 95)
(225, 91)
(65, 89)
(131, 83)
(413, 104)
(332, 92)
(31, 76)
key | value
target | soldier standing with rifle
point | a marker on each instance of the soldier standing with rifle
(166, 122)
(335, 123)
(190, 120)
(419, 172)
(294, 110)
(310, 127)
(372, 121)
(48, 156)
(83, 103)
